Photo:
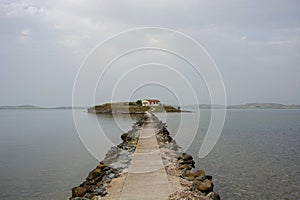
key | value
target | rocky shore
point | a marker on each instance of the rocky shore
(185, 181)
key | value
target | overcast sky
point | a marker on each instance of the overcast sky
(255, 44)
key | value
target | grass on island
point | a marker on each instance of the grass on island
(164, 109)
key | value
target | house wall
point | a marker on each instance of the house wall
(154, 103)
(147, 103)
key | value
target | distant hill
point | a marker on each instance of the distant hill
(20, 107)
(203, 106)
(69, 107)
(25, 107)
(264, 106)
(244, 106)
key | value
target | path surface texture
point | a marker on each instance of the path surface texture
(146, 178)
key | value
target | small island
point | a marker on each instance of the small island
(138, 107)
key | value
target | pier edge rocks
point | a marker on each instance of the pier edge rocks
(194, 184)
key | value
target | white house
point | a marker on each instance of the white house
(151, 102)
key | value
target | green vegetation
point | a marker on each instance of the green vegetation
(138, 109)
(166, 109)
(139, 102)
(132, 103)
(121, 107)
(171, 109)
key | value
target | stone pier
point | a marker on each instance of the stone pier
(148, 164)
(146, 178)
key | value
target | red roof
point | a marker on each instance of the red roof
(152, 100)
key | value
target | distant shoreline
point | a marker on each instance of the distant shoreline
(244, 106)
(31, 107)
(201, 106)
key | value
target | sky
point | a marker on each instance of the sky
(255, 46)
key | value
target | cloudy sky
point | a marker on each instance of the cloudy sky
(255, 45)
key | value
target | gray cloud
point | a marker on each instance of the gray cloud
(255, 44)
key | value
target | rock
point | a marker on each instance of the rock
(96, 198)
(185, 194)
(197, 182)
(124, 136)
(79, 191)
(172, 170)
(186, 167)
(123, 154)
(80, 198)
(111, 175)
(98, 190)
(205, 186)
(88, 182)
(213, 196)
(107, 180)
(200, 178)
(185, 183)
(96, 174)
(168, 138)
(181, 167)
(186, 156)
(188, 175)
(200, 175)
(119, 165)
(111, 155)
(189, 162)
(101, 165)
(89, 195)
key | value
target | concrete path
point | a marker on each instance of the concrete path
(146, 178)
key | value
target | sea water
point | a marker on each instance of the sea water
(42, 155)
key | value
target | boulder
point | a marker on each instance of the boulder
(96, 174)
(79, 198)
(213, 196)
(188, 175)
(79, 191)
(185, 166)
(205, 186)
(89, 195)
(190, 162)
(200, 175)
(101, 165)
(120, 165)
(186, 156)
(96, 198)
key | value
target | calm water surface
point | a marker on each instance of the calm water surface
(41, 155)
(256, 157)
